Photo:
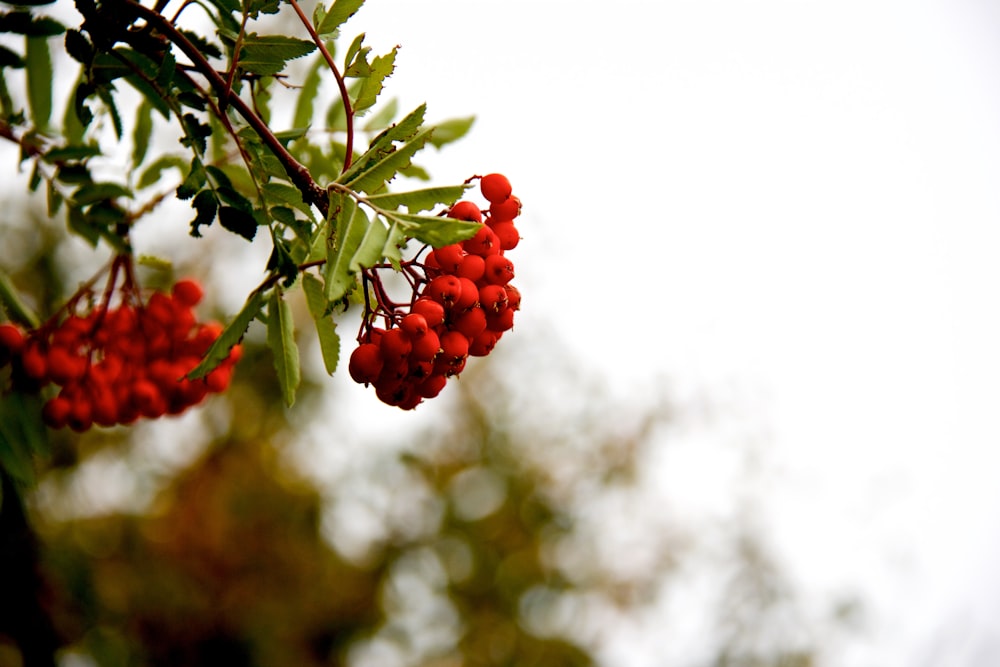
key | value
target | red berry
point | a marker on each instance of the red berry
(218, 378)
(432, 385)
(505, 211)
(466, 210)
(507, 234)
(484, 243)
(414, 324)
(33, 361)
(64, 366)
(513, 297)
(501, 321)
(493, 298)
(484, 343)
(105, 407)
(147, 399)
(81, 413)
(449, 257)
(470, 323)
(426, 347)
(432, 311)
(454, 347)
(499, 270)
(468, 297)
(445, 290)
(187, 292)
(495, 187)
(395, 345)
(472, 267)
(365, 363)
(55, 412)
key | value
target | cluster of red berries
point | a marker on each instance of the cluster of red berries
(114, 365)
(460, 307)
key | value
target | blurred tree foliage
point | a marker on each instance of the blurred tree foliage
(231, 550)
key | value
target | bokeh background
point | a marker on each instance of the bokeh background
(746, 417)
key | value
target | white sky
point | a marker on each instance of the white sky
(796, 202)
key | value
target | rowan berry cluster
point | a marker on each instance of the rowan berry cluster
(461, 304)
(117, 362)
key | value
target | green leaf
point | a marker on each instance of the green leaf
(230, 336)
(207, 48)
(95, 192)
(352, 53)
(254, 7)
(419, 200)
(384, 144)
(267, 54)
(30, 25)
(74, 173)
(193, 182)
(154, 171)
(451, 130)
(205, 205)
(433, 230)
(351, 227)
(281, 340)
(79, 47)
(369, 251)
(304, 107)
(394, 243)
(286, 194)
(40, 80)
(16, 436)
(326, 328)
(381, 68)
(71, 153)
(16, 309)
(238, 221)
(141, 133)
(381, 118)
(375, 176)
(337, 15)
(10, 59)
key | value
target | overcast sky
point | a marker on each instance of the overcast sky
(795, 203)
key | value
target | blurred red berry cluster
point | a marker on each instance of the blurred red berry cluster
(461, 305)
(117, 358)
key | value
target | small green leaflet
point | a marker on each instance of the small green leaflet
(327, 22)
(434, 231)
(419, 200)
(371, 85)
(351, 229)
(375, 176)
(267, 54)
(39, 75)
(281, 340)
(230, 336)
(22, 435)
(384, 144)
(16, 309)
(451, 130)
(326, 328)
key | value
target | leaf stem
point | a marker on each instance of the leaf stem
(344, 96)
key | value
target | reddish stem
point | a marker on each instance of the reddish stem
(341, 84)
